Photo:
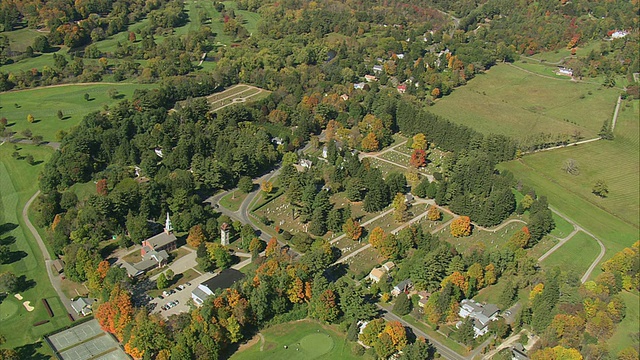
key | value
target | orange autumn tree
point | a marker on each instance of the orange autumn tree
(398, 334)
(272, 247)
(376, 237)
(352, 229)
(101, 187)
(370, 143)
(196, 236)
(115, 314)
(461, 226)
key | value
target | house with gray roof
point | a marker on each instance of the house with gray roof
(82, 306)
(482, 315)
(225, 279)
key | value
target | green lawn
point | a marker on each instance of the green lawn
(566, 256)
(623, 335)
(613, 219)
(233, 200)
(563, 227)
(305, 340)
(44, 103)
(17, 185)
(19, 40)
(509, 101)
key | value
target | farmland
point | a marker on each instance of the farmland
(509, 101)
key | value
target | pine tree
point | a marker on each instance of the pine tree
(403, 305)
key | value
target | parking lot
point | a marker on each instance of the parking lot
(182, 296)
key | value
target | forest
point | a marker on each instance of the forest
(164, 151)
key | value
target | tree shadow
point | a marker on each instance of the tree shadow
(107, 250)
(25, 284)
(8, 240)
(15, 256)
(36, 163)
(66, 117)
(31, 351)
(35, 121)
(119, 97)
(6, 227)
(52, 49)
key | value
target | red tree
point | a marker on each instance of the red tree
(101, 187)
(418, 158)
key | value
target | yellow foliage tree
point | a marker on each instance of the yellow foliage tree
(419, 141)
(266, 186)
(434, 214)
(196, 236)
(537, 290)
(461, 226)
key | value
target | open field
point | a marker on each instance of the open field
(566, 256)
(362, 263)
(17, 185)
(624, 331)
(509, 101)
(562, 229)
(304, 340)
(233, 200)
(613, 219)
(44, 103)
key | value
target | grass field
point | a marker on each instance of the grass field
(557, 55)
(17, 185)
(563, 227)
(304, 340)
(565, 257)
(509, 101)
(480, 238)
(236, 94)
(623, 334)
(233, 200)
(614, 219)
(44, 103)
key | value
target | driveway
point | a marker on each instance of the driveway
(181, 265)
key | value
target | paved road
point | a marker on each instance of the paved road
(442, 349)
(54, 279)
(615, 114)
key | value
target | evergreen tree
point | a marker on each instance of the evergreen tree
(403, 305)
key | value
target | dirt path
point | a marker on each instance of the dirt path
(615, 114)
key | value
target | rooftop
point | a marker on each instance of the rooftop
(225, 279)
(161, 239)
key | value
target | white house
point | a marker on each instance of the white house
(82, 306)
(359, 86)
(370, 78)
(481, 314)
(377, 68)
(565, 71)
(619, 34)
(376, 275)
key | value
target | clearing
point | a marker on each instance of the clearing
(511, 102)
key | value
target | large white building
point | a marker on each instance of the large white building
(481, 314)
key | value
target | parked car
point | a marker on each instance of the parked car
(181, 287)
(188, 284)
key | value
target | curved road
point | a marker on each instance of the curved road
(54, 279)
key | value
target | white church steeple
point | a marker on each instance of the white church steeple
(168, 228)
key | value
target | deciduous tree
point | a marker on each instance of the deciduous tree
(434, 214)
(461, 226)
(419, 142)
(352, 229)
(196, 236)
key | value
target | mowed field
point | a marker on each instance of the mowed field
(304, 340)
(512, 102)
(614, 219)
(17, 184)
(565, 257)
(44, 103)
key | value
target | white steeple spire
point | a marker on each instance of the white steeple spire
(168, 228)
